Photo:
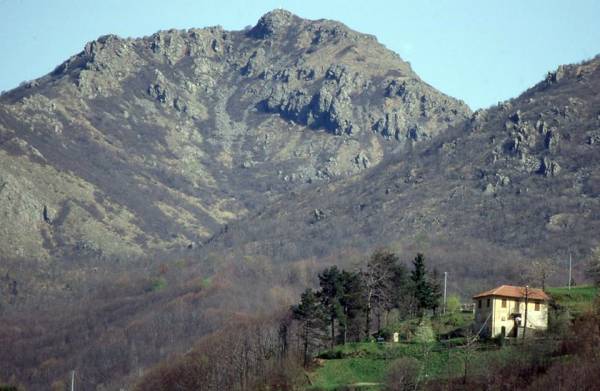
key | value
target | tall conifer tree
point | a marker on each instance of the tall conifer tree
(422, 289)
(331, 293)
(309, 313)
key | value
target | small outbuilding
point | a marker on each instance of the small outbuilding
(508, 310)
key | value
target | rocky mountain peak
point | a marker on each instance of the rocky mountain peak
(176, 134)
(273, 23)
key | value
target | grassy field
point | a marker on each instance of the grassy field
(364, 365)
(577, 300)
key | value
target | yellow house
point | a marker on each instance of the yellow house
(502, 311)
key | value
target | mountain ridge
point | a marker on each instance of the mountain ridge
(519, 175)
(127, 116)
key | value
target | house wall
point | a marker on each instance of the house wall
(535, 319)
(501, 316)
(481, 314)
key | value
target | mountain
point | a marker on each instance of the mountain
(137, 147)
(153, 190)
(514, 182)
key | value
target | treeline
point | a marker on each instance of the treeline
(269, 353)
(354, 305)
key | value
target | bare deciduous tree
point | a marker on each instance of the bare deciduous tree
(593, 269)
(539, 270)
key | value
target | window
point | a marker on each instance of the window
(537, 306)
(503, 303)
(488, 303)
(479, 303)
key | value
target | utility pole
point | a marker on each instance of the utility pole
(445, 283)
(73, 380)
(570, 266)
(526, 305)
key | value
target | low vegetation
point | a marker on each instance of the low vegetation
(374, 364)
(576, 300)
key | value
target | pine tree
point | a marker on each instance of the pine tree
(352, 301)
(422, 289)
(309, 313)
(436, 291)
(400, 286)
(332, 290)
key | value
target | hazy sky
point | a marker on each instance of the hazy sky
(479, 51)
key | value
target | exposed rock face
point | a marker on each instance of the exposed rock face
(272, 24)
(548, 167)
(411, 110)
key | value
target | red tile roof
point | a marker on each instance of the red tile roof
(514, 291)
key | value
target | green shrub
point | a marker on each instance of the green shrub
(424, 332)
(156, 284)
(454, 319)
(559, 321)
(385, 334)
(331, 355)
(453, 303)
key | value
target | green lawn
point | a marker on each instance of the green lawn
(336, 373)
(362, 364)
(577, 300)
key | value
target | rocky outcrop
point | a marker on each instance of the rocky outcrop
(330, 107)
(412, 111)
(272, 24)
(324, 108)
(548, 167)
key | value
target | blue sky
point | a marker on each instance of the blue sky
(479, 51)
